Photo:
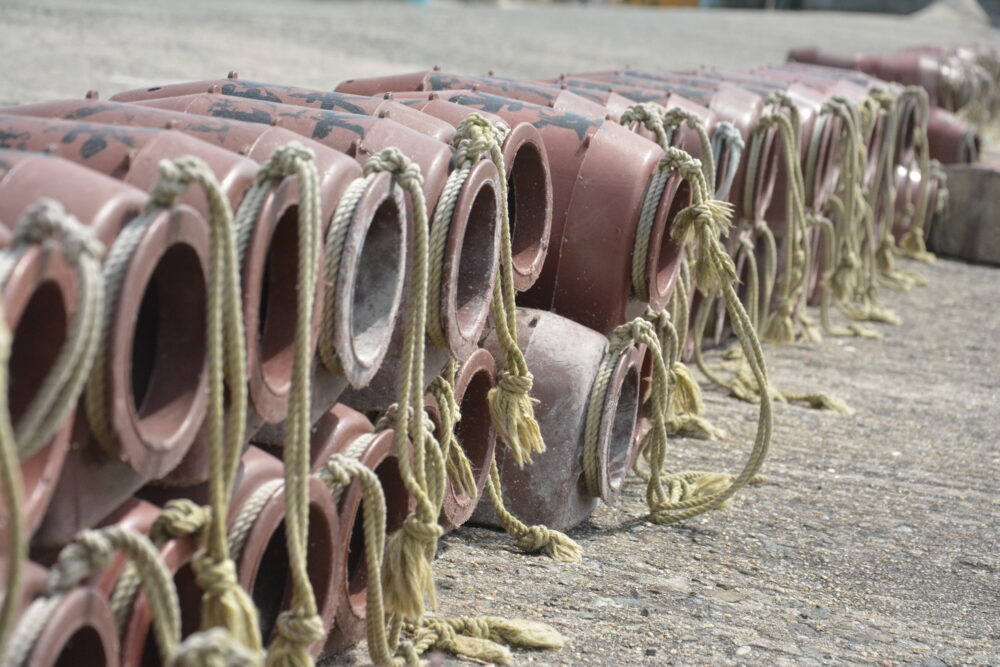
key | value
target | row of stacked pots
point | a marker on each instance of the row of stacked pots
(577, 181)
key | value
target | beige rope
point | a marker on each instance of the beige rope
(224, 603)
(13, 493)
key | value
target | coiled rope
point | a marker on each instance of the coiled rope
(224, 603)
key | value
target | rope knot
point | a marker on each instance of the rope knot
(300, 629)
(215, 647)
(425, 532)
(393, 160)
(175, 176)
(46, 219)
(215, 577)
(515, 383)
(180, 517)
(284, 161)
(89, 552)
(474, 136)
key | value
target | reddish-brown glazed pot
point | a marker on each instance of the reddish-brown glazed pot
(600, 173)
(952, 141)
(261, 560)
(552, 490)
(910, 68)
(138, 642)
(156, 349)
(529, 187)
(271, 254)
(473, 433)
(40, 302)
(378, 452)
(302, 97)
(79, 631)
(729, 102)
(473, 235)
(525, 91)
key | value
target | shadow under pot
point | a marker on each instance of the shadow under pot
(79, 631)
(554, 489)
(473, 433)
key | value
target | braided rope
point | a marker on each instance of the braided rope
(13, 493)
(224, 602)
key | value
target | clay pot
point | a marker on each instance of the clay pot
(526, 91)
(529, 187)
(262, 562)
(79, 631)
(952, 141)
(303, 97)
(731, 103)
(138, 642)
(271, 255)
(336, 433)
(40, 301)
(553, 490)
(600, 172)
(910, 68)
(155, 412)
(473, 243)
(473, 433)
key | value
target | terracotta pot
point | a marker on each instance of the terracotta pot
(473, 433)
(529, 187)
(156, 348)
(526, 91)
(137, 639)
(303, 97)
(909, 68)
(79, 631)
(40, 301)
(262, 562)
(474, 237)
(731, 103)
(380, 456)
(271, 254)
(600, 172)
(952, 141)
(553, 490)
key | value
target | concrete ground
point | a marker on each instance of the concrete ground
(876, 539)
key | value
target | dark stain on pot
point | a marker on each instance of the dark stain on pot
(15, 140)
(250, 92)
(329, 101)
(98, 137)
(225, 109)
(86, 112)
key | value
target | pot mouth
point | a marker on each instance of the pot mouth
(663, 260)
(80, 632)
(473, 433)
(529, 203)
(472, 255)
(158, 346)
(619, 417)
(264, 568)
(380, 456)
(370, 282)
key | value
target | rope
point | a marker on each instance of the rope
(59, 391)
(89, 552)
(224, 603)
(13, 493)
(408, 579)
(300, 625)
(725, 135)
(460, 473)
(912, 244)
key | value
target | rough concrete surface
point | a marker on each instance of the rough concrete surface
(876, 538)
